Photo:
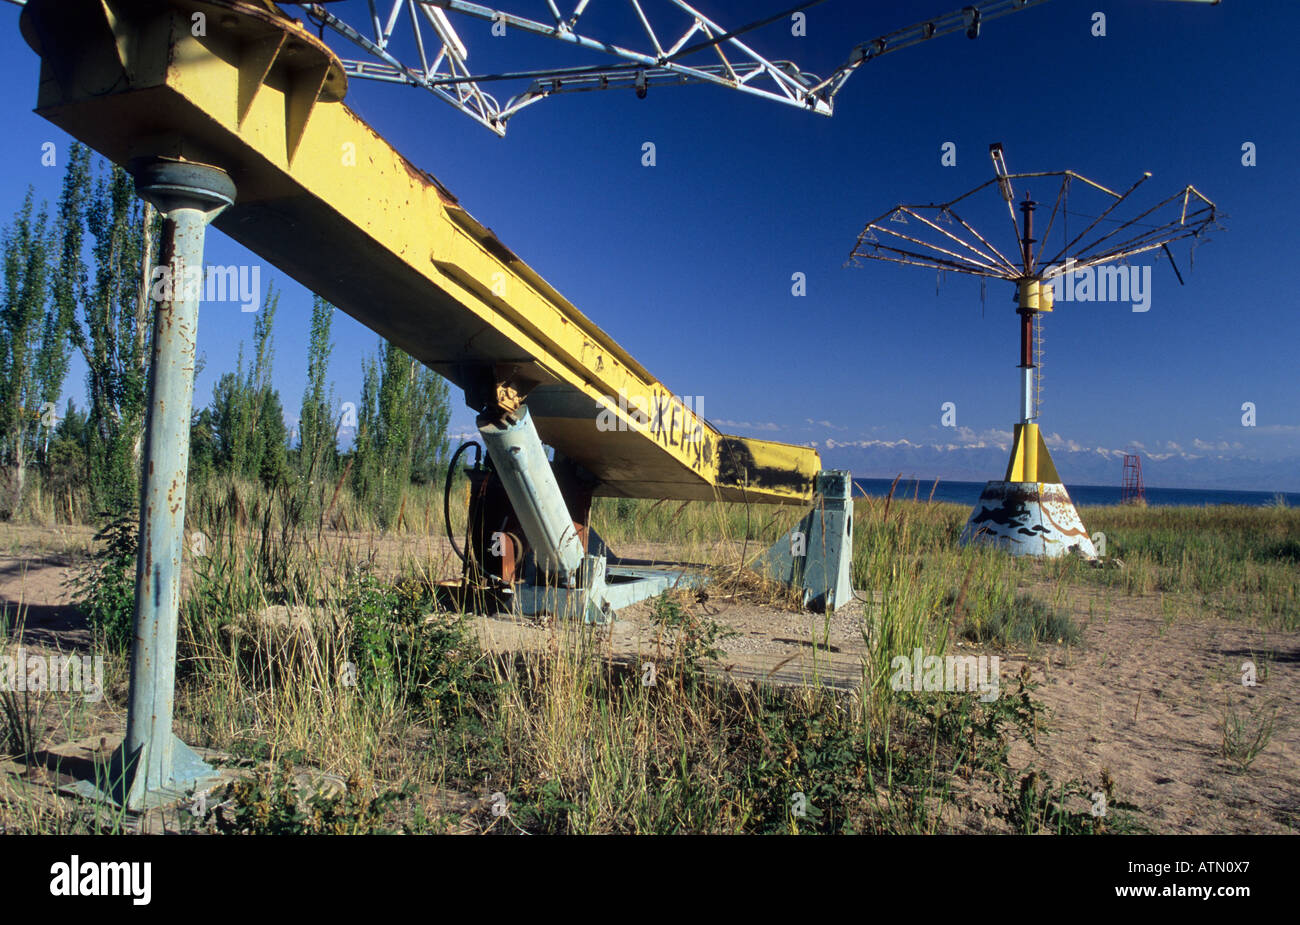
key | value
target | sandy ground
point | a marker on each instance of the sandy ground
(1141, 698)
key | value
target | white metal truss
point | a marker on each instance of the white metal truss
(939, 238)
(415, 42)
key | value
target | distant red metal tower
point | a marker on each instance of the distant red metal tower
(1132, 491)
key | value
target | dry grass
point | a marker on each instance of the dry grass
(291, 601)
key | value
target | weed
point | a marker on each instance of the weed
(104, 588)
(1025, 620)
(406, 649)
(1247, 732)
(272, 803)
(695, 639)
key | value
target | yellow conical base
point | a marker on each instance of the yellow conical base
(1030, 461)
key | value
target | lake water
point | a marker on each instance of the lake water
(968, 493)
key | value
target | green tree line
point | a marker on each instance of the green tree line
(76, 280)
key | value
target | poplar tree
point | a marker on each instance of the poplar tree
(23, 320)
(401, 431)
(430, 415)
(247, 418)
(318, 436)
(114, 333)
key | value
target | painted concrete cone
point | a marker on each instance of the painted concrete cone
(1029, 512)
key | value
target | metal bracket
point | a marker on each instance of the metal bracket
(122, 785)
(605, 586)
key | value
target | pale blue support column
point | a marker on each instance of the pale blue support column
(520, 459)
(817, 555)
(561, 578)
(153, 766)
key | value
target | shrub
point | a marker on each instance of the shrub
(104, 588)
(405, 648)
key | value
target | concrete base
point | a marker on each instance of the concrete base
(1028, 519)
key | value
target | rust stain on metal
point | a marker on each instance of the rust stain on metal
(423, 177)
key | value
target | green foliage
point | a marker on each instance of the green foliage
(272, 440)
(810, 773)
(401, 430)
(22, 712)
(610, 753)
(66, 465)
(406, 650)
(545, 808)
(318, 436)
(1044, 807)
(1239, 562)
(694, 638)
(22, 723)
(430, 414)
(115, 329)
(383, 440)
(1247, 732)
(230, 418)
(203, 448)
(272, 803)
(245, 428)
(625, 510)
(104, 587)
(68, 287)
(1022, 619)
(26, 348)
(374, 611)
(82, 281)
(55, 304)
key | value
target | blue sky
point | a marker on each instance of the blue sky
(689, 263)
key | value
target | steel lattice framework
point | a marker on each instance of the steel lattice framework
(943, 240)
(938, 237)
(415, 42)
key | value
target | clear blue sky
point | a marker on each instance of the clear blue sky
(688, 263)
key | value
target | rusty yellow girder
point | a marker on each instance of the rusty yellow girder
(324, 197)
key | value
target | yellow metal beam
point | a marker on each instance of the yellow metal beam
(324, 197)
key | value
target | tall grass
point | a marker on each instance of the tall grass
(310, 638)
(1236, 562)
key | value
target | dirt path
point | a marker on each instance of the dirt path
(1146, 700)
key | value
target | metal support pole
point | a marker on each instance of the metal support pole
(565, 580)
(1026, 366)
(1029, 295)
(525, 472)
(153, 766)
(1031, 300)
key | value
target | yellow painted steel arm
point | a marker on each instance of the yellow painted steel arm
(326, 199)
